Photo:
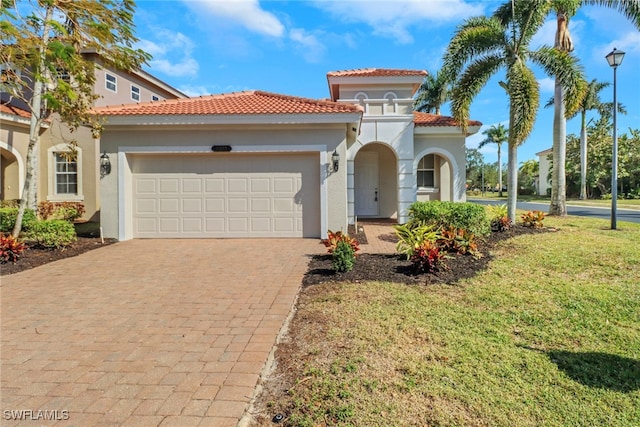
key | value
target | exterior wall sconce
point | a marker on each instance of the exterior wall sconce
(335, 161)
(105, 165)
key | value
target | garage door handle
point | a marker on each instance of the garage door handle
(375, 199)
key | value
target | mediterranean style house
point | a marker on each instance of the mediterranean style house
(63, 178)
(259, 164)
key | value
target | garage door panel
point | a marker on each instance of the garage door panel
(237, 195)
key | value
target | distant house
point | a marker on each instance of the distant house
(544, 182)
(259, 164)
(61, 178)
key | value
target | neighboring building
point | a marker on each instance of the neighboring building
(61, 178)
(544, 180)
(258, 164)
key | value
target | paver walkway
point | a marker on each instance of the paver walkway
(381, 237)
(146, 332)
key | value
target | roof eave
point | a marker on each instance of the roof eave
(230, 119)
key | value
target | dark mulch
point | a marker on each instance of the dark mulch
(35, 257)
(393, 268)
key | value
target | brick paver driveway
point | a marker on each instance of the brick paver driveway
(146, 332)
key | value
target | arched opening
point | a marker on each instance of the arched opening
(9, 176)
(376, 182)
(434, 177)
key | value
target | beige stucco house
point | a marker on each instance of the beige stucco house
(544, 162)
(258, 164)
(60, 178)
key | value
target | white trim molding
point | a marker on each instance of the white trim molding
(52, 194)
(21, 169)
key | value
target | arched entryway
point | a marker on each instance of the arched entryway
(11, 173)
(375, 182)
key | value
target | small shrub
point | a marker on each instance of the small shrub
(333, 238)
(344, 257)
(10, 249)
(428, 258)
(8, 219)
(458, 241)
(410, 238)
(68, 211)
(498, 214)
(51, 233)
(12, 203)
(442, 215)
(533, 219)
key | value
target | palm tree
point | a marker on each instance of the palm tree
(433, 92)
(564, 10)
(530, 169)
(482, 46)
(591, 101)
(496, 135)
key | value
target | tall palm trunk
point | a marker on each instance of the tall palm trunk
(558, 176)
(512, 181)
(583, 157)
(499, 170)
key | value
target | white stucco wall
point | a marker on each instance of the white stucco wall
(452, 148)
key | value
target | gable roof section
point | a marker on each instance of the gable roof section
(236, 103)
(248, 107)
(10, 109)
(374, 76)
(427, 120)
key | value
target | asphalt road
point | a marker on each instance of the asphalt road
(628, 215)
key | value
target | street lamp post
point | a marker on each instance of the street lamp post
(614, 58)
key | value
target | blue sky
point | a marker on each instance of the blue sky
(287, 47)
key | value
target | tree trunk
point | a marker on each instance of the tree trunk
(512, 181)
(558, 204)
(29, 197)
(583, 158)
(499, 171)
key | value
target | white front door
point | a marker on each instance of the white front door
(366, 184)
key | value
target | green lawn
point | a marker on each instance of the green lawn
(549, 335)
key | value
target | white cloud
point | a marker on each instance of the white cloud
(247, 13)
(392, 18)
(172, 56)
(312, 49)
(547, 84)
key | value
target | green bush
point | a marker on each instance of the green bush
(51, 233)
(8, 219)
(344, 257)
(411, 238)
(470, 217)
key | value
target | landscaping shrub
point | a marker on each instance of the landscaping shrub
(8, 219)
(51, 233)
(336, 237)
(68, 211)
(428, 257)
(410, 237)
(12, 203)
(10, 248)
(344, 256)
(442, 215)
(533, 219)
(458, 241)
(498, 215)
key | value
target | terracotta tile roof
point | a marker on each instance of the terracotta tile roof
(426, 119)
(10, 109)
(236, 103)
(376, 72)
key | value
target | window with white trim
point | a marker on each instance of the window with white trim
(427, 172)
(135, 93)
(111, 82)
(66, 174)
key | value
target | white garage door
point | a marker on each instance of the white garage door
(225, 195)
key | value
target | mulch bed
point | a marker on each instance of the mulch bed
(394, 268)
(34, 257)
